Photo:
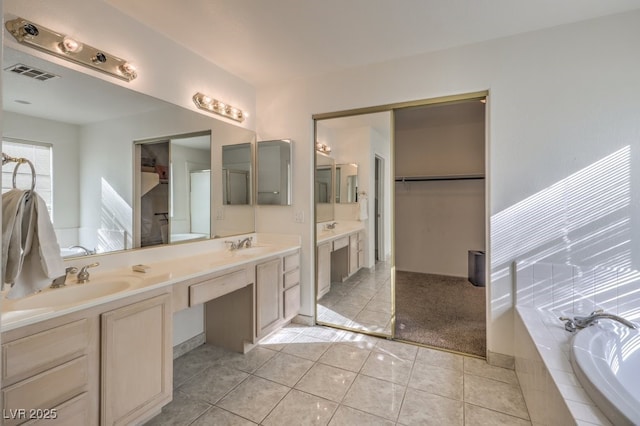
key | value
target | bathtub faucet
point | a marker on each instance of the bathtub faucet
(585, 321)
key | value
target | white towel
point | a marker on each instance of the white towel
(32, 254)
(364, 208)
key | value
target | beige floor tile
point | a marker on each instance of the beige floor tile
(284, 369)
(248, 362)
(479, 367)
(440, 358)
(324, 333)
(425, 409)
(372, 321)
(307, 347)
(478, 416)
(374, 396)
(219, 417)
(346, 416)
(299, 408)
(387, 367)
(397, 349)
(327, 382)
(181, 411)
(437, 380)
(254, 398)
(359, 340)
(495, 395)
(277, 341)
(213, 383)
(345, 356)
(382, 306)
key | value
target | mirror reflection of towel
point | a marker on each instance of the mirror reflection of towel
(364, 210)
(30, 251)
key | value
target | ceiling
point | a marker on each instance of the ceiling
(267, 41)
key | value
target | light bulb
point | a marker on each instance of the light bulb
(129, 70)
(70, 45)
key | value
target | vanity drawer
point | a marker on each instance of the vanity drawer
(291, 261)
(33, 354)
(291, 302)
(340, 242)
(72, 412)
(216, 287)
(292, 278)
(48, 389)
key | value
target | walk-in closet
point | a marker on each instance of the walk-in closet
(440, 220)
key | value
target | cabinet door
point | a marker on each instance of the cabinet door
(136, 360)
(268, 296)
(353, 253)
(324, 269)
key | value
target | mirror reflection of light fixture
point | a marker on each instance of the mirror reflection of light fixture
(323, 148)
(41, 38)
(215, 106)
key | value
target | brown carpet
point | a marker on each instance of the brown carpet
(441, 311)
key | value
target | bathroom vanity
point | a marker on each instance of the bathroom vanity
(340, 254)
(107, 359)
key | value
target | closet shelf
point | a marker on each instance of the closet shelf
(439, 177)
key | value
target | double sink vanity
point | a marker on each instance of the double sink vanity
(101, 352)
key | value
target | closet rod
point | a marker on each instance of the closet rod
(435, 178)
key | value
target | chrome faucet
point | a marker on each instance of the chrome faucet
(233, 245)
(61, 281)
(83, 275)
(331, 225)
(245, 242)
(87, 252)
(580, 322)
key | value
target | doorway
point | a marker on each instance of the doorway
(440, 221)
(378, 212)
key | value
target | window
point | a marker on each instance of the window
(40, 155)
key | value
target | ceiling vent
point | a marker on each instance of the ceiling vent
(31, 72)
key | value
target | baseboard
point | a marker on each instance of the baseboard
(303, 320)
(501, 360)
(188, 345)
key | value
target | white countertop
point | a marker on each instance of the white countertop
(342, 229)
(160, 274)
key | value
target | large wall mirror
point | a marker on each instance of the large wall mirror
(87, 127)
(353, 251)
(274, 172)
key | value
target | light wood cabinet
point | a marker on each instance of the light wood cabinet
(353, 253)
(268, 296)
(323, 268)
(291, 293)
(136, 361)
(45, 368)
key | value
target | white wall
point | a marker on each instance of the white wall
(438, 222)
(64, 139)
(560, 100)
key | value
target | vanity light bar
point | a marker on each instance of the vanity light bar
(42, 38)
(215, 106)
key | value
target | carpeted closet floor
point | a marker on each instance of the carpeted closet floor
(441, 311)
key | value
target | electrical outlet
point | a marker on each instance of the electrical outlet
(219, 213)
(298, 216)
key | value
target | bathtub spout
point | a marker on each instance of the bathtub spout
(585, 321)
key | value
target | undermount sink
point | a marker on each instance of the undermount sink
(70, 294)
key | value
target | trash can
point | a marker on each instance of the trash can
(476, 268)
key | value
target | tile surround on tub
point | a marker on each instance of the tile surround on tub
(552, 392)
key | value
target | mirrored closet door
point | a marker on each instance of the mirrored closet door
(353, 222)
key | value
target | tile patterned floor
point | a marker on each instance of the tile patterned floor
(321, 376)
(362, 302)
